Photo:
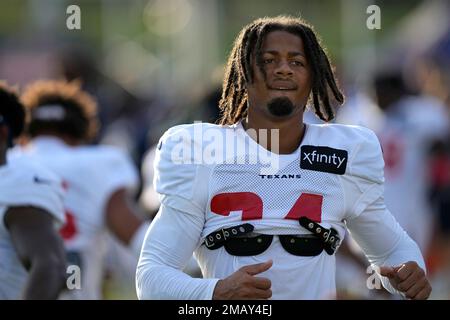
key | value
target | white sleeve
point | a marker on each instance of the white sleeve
(429, 119)
(178, 174)
(114, 170)
(35, 186)
(118, 171)
(176, 230)
(383, 240)
(149, 197)
(168, 246)
(364, 182)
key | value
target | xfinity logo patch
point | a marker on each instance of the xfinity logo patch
(323, 159)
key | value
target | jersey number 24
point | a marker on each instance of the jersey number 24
(307, 205)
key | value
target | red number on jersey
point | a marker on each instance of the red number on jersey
(393, 153)
(69, 230)
(251, 205)
(308, 205)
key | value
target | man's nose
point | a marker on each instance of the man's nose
(283, 69)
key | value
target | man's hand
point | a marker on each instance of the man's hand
(243, 284)
(408, 278)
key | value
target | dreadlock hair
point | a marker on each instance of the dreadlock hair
(248, 44)
(12, 112)
(60, 107)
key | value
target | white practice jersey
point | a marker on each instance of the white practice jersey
(406, 134)
(91, 174)
(24, 184)
(217, 177)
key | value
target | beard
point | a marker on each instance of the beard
(280, 107)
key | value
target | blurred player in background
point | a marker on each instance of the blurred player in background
(97, 179)
(32, 257)
(411, 124)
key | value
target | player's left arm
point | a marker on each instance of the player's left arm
(389, 247)
(373, 227)
(40, 250)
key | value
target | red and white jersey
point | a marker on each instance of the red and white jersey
(406, 134)
(221, 177)
(24, 184)
(91, 174)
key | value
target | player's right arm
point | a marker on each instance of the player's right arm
(176, 230)
(168, 246)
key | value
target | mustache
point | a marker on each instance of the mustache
(282, 84)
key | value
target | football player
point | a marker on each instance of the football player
(269, 228)
(97, 179)
(33, 263)
(411, 124)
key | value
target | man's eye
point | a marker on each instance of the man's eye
(298, 63)
(267, 61)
